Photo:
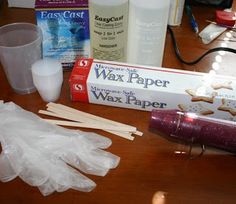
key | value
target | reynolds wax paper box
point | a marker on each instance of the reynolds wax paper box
(65, 27)
(146, 88)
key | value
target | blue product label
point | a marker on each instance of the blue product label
(65, 34)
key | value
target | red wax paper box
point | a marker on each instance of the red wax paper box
(146, 88)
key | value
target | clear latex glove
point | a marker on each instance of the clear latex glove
(38, 152)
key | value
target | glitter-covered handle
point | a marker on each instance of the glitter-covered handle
(189, 127)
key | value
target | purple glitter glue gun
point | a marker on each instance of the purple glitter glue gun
(195, 129)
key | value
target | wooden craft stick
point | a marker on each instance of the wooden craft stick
(86, 115)
(89, 125)
(71, 116)
(90, 116)
(61, 114)
(50, 114)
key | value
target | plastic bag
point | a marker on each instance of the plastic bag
(211, 32)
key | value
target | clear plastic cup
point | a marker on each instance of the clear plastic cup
(48, 78)
(20, 47)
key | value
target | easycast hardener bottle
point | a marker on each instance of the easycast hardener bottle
(108, 29)
(147, 31)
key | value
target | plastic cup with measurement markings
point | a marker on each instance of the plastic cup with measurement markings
(20, 47)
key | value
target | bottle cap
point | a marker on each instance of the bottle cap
(226, 18)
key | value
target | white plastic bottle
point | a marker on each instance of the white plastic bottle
(108, 29)
(147, 31)
(176, 12)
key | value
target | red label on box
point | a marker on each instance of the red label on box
(78, 80)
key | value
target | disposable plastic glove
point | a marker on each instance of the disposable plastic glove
(39, 152)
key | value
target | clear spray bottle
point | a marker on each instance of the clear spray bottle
(147, 31)
(108, 29)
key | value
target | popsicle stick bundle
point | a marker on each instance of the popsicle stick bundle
(75, 118)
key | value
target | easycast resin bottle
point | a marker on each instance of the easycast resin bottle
(108, 29)
(147, 31)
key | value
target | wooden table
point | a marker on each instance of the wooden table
(150, 168)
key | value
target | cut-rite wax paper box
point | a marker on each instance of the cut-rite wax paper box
(65, 27)
(147, 88)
